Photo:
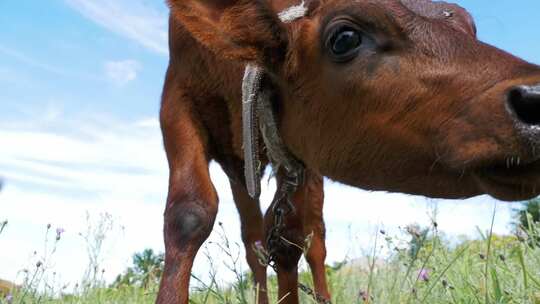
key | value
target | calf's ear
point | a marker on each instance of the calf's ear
(245, 30)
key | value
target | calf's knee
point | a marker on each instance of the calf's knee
(288, 250)
(188, 223)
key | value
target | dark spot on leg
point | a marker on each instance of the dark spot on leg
(188, 223)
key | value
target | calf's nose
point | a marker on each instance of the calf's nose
(524, 103)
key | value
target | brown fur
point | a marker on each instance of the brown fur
(422, 112)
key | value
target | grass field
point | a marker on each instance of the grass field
(417, 266)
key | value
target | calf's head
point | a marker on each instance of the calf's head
(395, 95)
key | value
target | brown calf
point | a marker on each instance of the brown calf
(394, 95)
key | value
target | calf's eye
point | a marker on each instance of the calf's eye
(344, 43)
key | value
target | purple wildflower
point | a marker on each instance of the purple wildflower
(59, 232)
(9, 298)
(423, 274)
(364, 296)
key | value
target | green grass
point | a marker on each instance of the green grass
(508, 273)
(492, 269)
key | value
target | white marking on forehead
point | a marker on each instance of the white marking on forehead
(448, 14)
(293, 13)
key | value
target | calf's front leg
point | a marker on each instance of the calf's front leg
(192, 200)
(306, 219)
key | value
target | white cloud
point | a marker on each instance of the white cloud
(7, 75)
(104, 165)
(30, 61)
(148, 123)
(122, 72)
(55, 177)
(138, 20)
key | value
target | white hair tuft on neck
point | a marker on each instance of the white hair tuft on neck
(293, 13)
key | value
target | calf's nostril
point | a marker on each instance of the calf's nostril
(524, 102)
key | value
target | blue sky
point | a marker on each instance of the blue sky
(58, 50)
(80, 86)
